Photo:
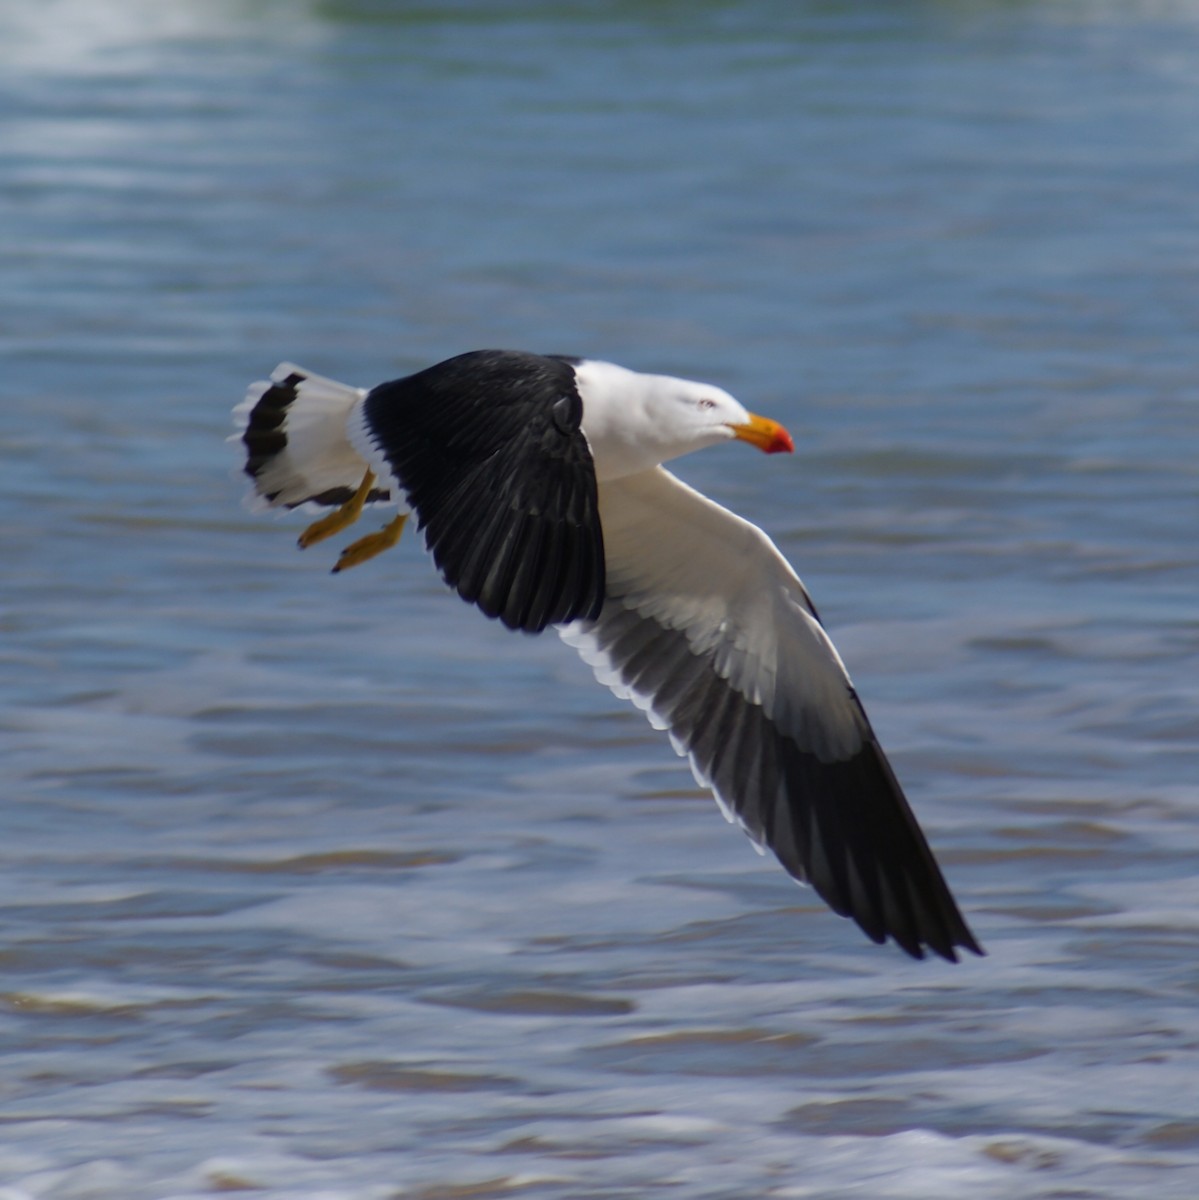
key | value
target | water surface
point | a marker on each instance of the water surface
(325, 887)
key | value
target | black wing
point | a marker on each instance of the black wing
(488, 449)
(709, 631)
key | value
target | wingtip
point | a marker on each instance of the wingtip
(963, 940)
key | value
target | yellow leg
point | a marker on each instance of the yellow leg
(339, 518)
(374, 543)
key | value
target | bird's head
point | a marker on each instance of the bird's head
(706, 415)
(635, 421)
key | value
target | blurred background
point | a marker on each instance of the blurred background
(323, 887)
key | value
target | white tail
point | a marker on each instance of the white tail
(293, 431)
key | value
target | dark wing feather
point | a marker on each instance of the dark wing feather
(709, 631)
(488, 449)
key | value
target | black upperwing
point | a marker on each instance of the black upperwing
(489, 450)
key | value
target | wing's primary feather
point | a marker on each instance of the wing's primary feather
(708, 629)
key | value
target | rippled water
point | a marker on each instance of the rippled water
(320, 887)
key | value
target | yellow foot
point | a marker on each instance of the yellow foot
(374, 543)
(339, 518)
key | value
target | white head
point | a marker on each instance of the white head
(633, 422)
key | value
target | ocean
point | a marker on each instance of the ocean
(327, 888)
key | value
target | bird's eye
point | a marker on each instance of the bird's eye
(705, 403)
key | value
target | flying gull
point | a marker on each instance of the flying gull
(537, 484)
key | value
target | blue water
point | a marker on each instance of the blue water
(326, 887)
